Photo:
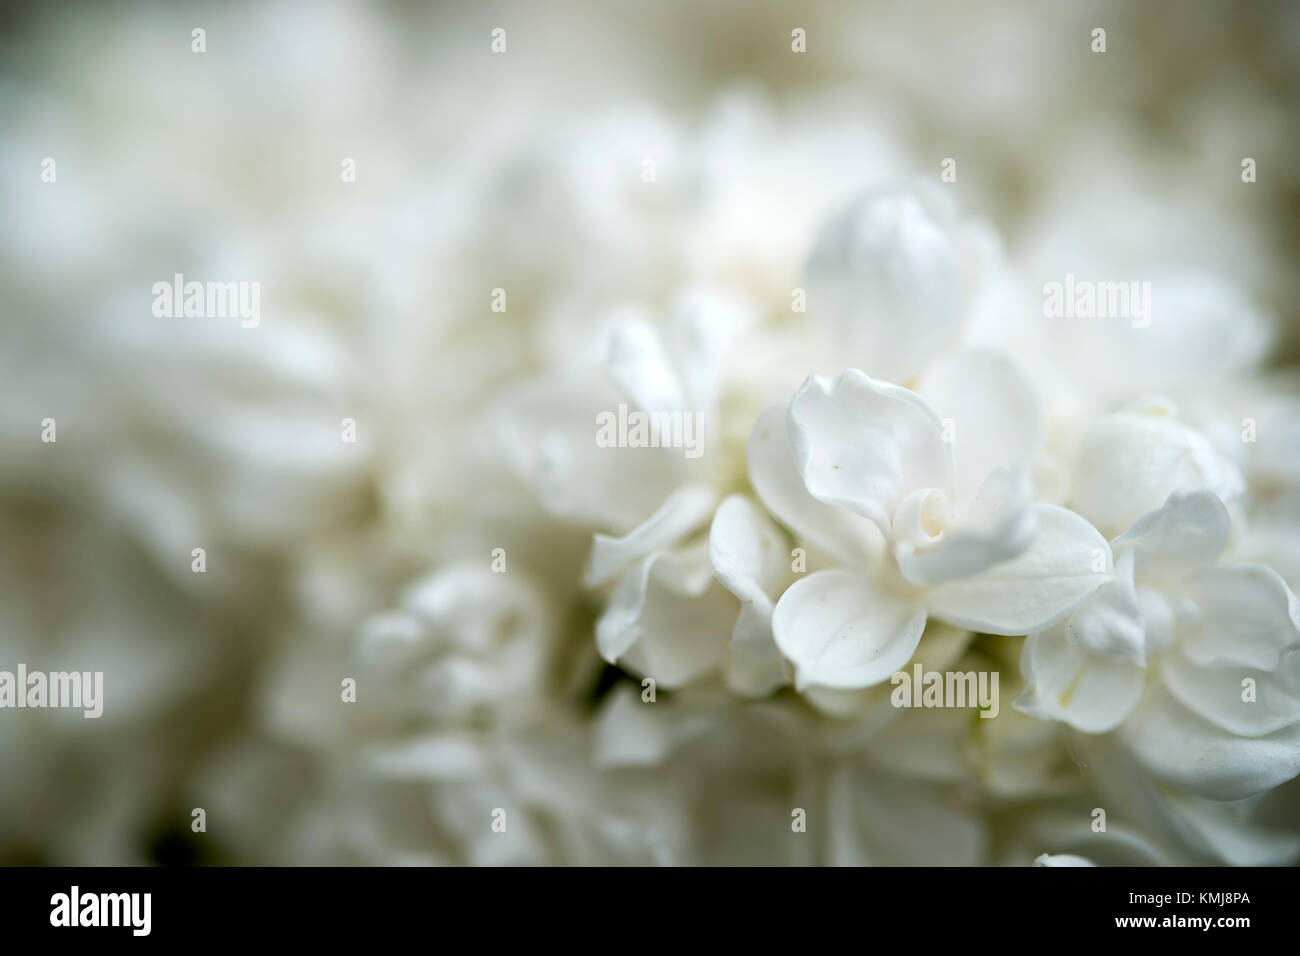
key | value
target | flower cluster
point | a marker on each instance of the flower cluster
(940, 499)
(612, 483)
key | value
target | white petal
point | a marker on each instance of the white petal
(1232, 837)
(862, 445)
(1064, 682)
(1000, 523)
(1216, 693)
(750, 558)
(667, 619)
(747, 551)
(546, 431)
(1110, 623)
(884, 274)
(870, 707)
(1193, 754)
(1068, 561)
(1189, 530)
(685, 510)
(640, 366)
(849, 538)
(992, 410)
(755, 667)
(1131, 462)
(1062, 859)
(1238, 614)
(703, 323)
(841, 630)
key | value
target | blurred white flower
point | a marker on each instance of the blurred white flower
(895, 275)
(465, 644)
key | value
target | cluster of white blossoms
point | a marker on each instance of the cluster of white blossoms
(934, 503)
(673, 472)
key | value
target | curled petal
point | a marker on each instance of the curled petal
(1000, 523)
(849, 538)
(862, 445)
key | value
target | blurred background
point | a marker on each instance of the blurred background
(522, 170)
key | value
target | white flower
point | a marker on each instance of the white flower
(670, 615)
(1132, 460)
(465, 643)
(860, 470)
(1197, 660)
(894, 275)
(547, 427)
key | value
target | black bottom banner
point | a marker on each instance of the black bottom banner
(335, 906)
